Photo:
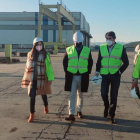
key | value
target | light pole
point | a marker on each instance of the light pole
(39, 1)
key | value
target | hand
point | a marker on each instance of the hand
(134, 84)
(49, 82)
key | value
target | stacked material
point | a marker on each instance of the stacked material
(7, 60)
(15, 60)
(4, 59)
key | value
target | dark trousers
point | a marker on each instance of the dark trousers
(114, 81)
(33, 95)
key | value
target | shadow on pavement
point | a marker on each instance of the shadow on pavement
(121, 125)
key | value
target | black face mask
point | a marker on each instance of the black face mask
(78, 45)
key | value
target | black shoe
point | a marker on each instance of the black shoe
(108, 116)
(80, 115)
(112, 119)
(105, 112)
(70, 118)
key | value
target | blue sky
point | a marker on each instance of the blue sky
(120, 16)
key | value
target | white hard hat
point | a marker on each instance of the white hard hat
(37, 39)
(78, 37)
(135, 93)
(96, 80)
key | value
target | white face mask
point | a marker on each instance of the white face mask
(39, 47)
(109, 42)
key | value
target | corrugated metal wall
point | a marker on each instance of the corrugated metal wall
(21, 28)
(17, 36)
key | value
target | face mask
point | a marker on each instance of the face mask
(39, 47)
(109, 42)
(78, 45)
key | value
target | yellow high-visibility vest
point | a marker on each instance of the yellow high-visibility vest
(76, 64)
(112, 62)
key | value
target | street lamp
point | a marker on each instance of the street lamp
(39, 1)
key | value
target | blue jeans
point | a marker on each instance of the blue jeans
(33, 95)
(114, 81)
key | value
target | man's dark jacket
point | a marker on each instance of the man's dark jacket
(69, 76)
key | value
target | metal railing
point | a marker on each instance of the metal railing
(65, 7)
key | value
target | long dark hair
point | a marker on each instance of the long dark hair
(34, 53)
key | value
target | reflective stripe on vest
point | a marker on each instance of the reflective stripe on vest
(74, 57)
(116, 57)
(111, 63)
(76, 64)
(77, 67)
(112, 67)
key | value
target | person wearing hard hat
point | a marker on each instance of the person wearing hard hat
(136, 73)
(38, 75)
(77, 64)
(109, 65)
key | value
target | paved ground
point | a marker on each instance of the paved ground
(14, 109)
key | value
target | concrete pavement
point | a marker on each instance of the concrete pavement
(14, 109)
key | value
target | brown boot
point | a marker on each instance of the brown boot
(70, 118)
(46, 109)
(31, 117)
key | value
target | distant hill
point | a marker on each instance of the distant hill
(123, 43)
(99, 43)
(96, 43)
(132, 44)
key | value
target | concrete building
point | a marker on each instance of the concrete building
(20, 28)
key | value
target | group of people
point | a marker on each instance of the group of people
(77, 63)
(112, 62)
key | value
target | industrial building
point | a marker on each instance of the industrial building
(20, 28)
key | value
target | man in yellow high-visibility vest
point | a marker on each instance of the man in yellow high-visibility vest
(77, 64)
(109, 65)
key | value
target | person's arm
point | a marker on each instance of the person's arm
(98, 64)
(136, 72)
(90, 63)
(65, 62)
(125, 61)
(49, 68)
(28, 62)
